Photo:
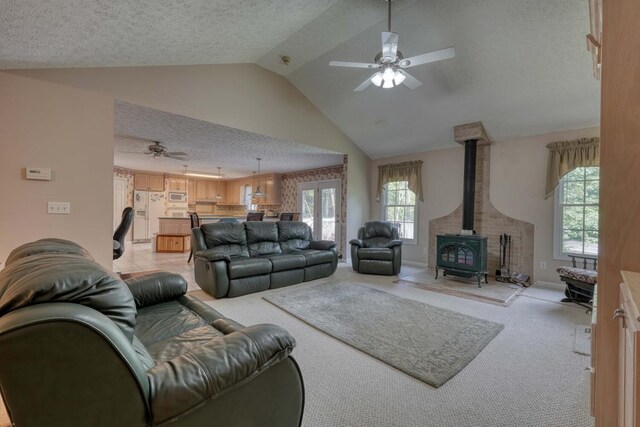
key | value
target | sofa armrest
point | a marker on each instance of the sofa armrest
(359, 243)
(191, 379)
(155, 288)
(323, 245)
(213, 255)
(395, 242)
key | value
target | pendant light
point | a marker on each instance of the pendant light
(258, 192)
(218, 196)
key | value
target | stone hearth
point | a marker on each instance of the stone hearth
(489, 222)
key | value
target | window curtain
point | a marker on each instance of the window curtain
(406, 171)
(565, 156)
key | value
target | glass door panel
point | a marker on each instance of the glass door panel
(319, 205)
(308, 206)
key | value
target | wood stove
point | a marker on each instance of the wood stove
(465, 254)
(462, 256)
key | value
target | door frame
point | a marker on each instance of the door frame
(318, 186)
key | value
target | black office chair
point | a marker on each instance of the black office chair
(255, 216)
(121, 232)
(195, 222)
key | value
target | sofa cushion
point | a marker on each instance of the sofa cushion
(315, 257)
(170, 329)
(294, 236)
(284, 262)
(226, 237)
(382, 254)
(243, 267)
(262, 238)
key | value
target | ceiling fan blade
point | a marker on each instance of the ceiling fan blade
(365, 84)
(174, 157)
(130, 152)
(352, 64)
(389, 46)
(410, 81)
(436, 55)
(176, 153)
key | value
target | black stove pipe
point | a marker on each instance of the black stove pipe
(469, 196)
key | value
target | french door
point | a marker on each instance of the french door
(319, 204)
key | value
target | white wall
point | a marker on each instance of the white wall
(243, 96)
(71, 132)
(518, 174)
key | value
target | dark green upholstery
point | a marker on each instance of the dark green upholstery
(268, 255)
(377, 250)
(82, 347)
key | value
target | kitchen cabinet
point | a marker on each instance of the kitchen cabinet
(271, 184)
(232, 193)
(177, 184)
(205, 190)
(191, 191)
(148, 182)
(173, 243)
(629, 351)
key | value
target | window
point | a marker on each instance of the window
(576, 213)
(399, 207)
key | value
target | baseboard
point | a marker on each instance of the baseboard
(415, 264)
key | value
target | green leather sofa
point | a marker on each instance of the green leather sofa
(237, 259)
(80, 347)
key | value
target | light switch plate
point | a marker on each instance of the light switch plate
(63, 208)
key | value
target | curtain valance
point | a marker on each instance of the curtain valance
(405, 171)
(565, 156)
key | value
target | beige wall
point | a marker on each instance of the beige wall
(518, 173)
(71, 132)
(243, 96)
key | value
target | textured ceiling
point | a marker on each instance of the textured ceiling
(521, 66)
(103, 33)
(208, 145)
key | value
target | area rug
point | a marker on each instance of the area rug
(429, 343)
(493, 292)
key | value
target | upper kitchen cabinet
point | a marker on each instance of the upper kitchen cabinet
(270, 184)
(208, 190)
(148, 182)
(177, 183)
(191, 191)
(205, 190)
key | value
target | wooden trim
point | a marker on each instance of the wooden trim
(619, 175)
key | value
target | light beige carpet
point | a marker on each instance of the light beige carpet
(493, 292)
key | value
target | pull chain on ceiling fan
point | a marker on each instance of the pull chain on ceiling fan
(391, 63)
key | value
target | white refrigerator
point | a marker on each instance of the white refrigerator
(148, 206)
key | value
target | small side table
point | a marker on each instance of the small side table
(173, 243)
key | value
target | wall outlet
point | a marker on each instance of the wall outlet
(63, 208)
(543, 265)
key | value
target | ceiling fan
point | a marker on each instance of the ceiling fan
(391, 64)
(158, 150)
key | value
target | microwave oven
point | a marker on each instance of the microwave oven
(177, 197)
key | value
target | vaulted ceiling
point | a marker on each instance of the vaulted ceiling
(521, 66)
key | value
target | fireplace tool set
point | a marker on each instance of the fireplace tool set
(504, 272)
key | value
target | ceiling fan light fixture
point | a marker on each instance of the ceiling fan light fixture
(399, 78)
(377, 79)
(388, 84)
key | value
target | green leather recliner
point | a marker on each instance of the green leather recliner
(377, 250)
(79, 347)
